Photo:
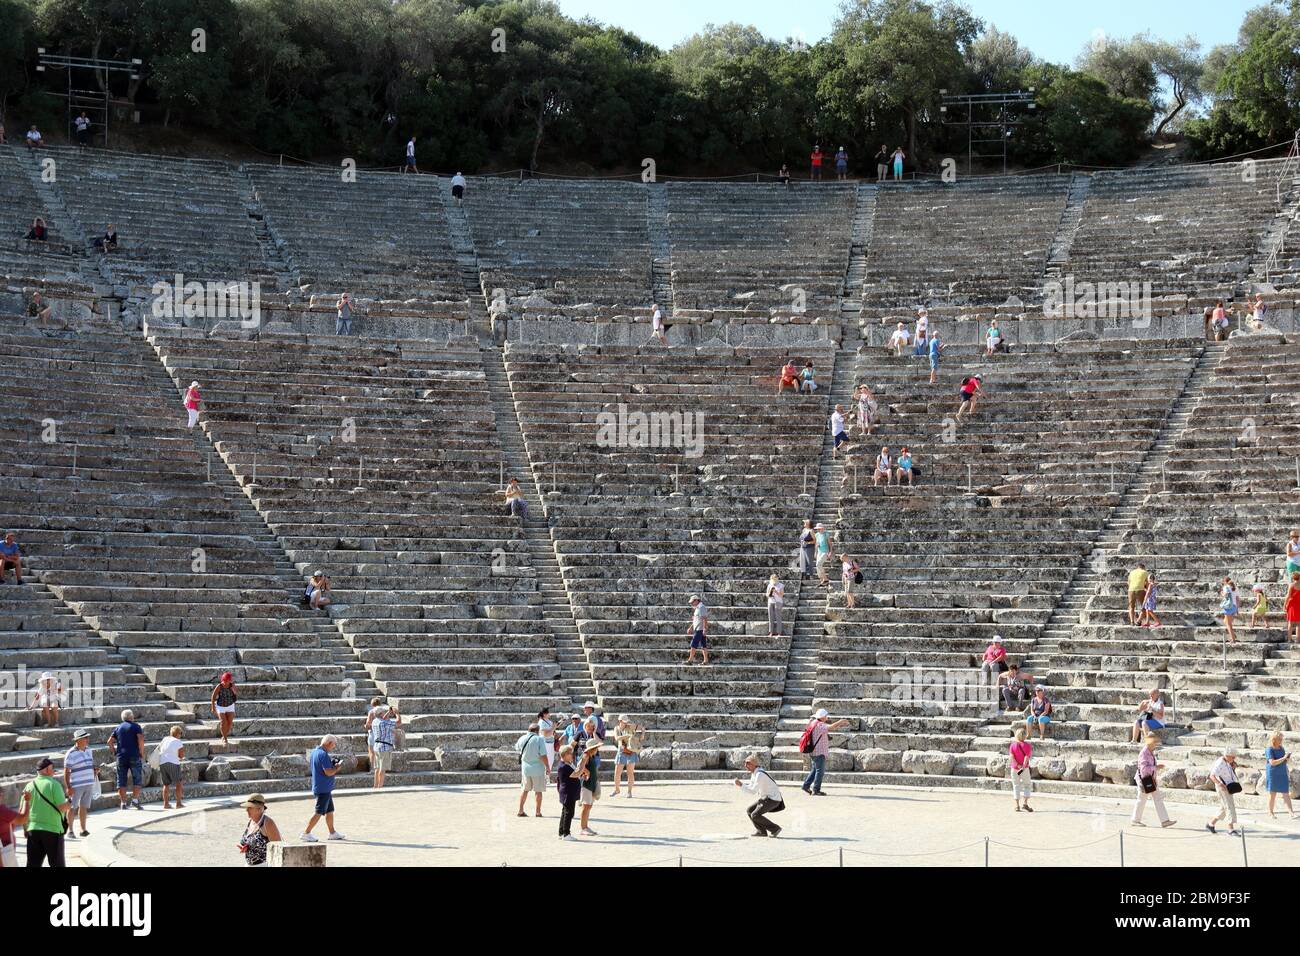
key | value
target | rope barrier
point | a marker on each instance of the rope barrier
(790, 859)
(1052, 849)
(900, 856)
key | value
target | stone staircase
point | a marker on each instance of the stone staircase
(1146, 480)
(556, 608)
(864, 215)
(462, 243)
(1071, 216)
(59, 216)
(660, 246)
(287, 278)
(1270, 262)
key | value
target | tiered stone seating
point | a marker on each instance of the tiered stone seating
(378, 463)
(382, 236)
(989, 536)
(171, 215)
(639, 529)
(1231, 502)
(562, 243)
(107, 494)
(792, 239)
(19, 205)
(974, 241)
(1185, 229)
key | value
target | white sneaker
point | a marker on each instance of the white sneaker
(308, 838)
(337, 836)
(589, 833)
(568, 836)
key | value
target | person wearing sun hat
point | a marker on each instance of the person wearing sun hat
(589, 713)
(79, 779)
(259, 832)
(589, 772)
(1223, 774)
(223, 704)
(698, 629)
(192, 401)
(627, 740)
(818, 735)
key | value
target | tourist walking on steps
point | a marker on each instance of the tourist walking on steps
(1148, 784)
(569, 787)
(807, 542)
(1223, 774)
(343, 322)
(1020, 751)
(1229, 604)
(1150, 715)
(968, 394)
(839, 434)
(627, 743)
(816, 743)
(192, 401)
(171, 752)
(223, 704)
(589, 774)
(324, 767)
(376, 709)
(534, 768)
(657, 329)
(1292, 608)
(386, 728)
(79, 781)
(822, 542)
(45, 806)
(698, 630)
(126, 744)
(1137, 587)
(775, 592)
(1276, 774)
(769, 799)
(936, 350)
(850, 574)
(410, 166)
(882, 163)
(458, 184)
(259, 832)
(867, 408)
(1148, 616)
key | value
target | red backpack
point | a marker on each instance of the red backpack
(806, 743)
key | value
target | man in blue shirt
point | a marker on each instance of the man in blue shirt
(126, 742)
(10, 555)
(936, 349)
(323, 768)
(534, 766)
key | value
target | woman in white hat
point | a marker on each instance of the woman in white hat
(192, 402)
(1223, 774)
(48, 698)
(627, 741)
(259, 832)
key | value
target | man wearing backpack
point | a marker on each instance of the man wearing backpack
(769, 798)
(816, 743)
(534, 766)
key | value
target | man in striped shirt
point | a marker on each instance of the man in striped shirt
(79, 780)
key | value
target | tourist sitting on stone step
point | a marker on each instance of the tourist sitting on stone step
(900, 339)
(108, 241)
(789, 377)
(38, 232)
(905, 466)
(34, 137)
(783, 176)
(1012, 684)
(318, 591)
(11, 557)
(993, 340)
(1039, 712)
(994, 661)
(884, 467)
(1150, 715)
(809, 379)
(48, 698)
(1293, 553)
(1229, 604)
(516, 504)
(37, 309)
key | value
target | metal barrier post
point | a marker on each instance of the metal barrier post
(1245, 861)
(986, 851)
(1121, 849)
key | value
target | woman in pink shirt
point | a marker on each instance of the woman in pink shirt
(994, 660)
(192, 399)
(1021, 786)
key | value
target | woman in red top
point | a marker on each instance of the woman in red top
(789, 378)
(192, 401)
(8, 820)
(1293, 608)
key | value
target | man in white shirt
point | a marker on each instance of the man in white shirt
(838, 434)
(1222, 774)
(458, 188)
(922, 330)
(698, 630)
(410, 157)
(170, 754)
(657, 326)
(769, 798)
(898, 341)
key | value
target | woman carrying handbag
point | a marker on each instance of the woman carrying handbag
(1145, 778)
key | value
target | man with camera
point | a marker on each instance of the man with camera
(324, 765)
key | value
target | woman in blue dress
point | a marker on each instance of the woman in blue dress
(1276, 777)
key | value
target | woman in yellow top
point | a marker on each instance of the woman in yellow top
(628, 742)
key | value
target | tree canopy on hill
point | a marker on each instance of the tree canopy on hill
(515, 83)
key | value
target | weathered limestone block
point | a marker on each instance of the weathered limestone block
(696, 758)
(839, 759)
(875, 760)
(457, 759)
(217, 770)
(654, 758)
(285, 765)
(931, 762)
(498, 760)
(295, 854)
(1120, 772)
